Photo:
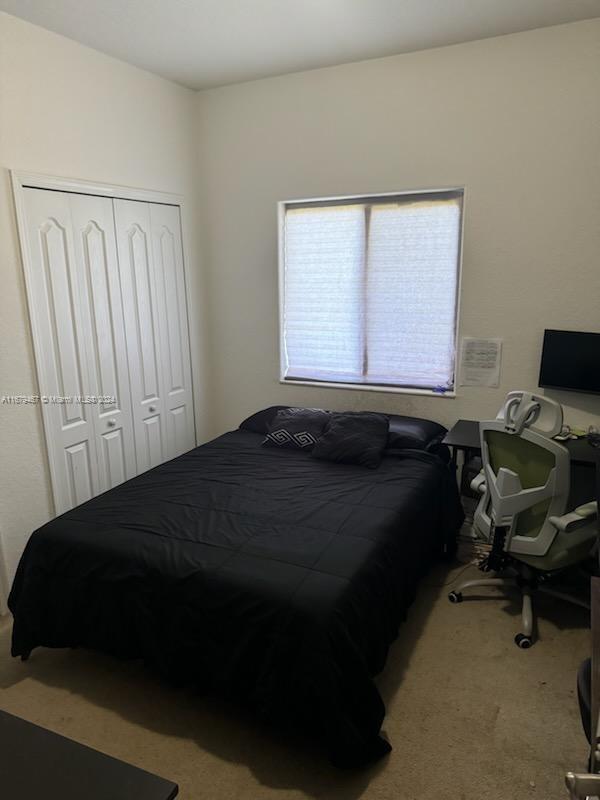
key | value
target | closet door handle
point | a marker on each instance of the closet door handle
(111, 423)
(152, 409)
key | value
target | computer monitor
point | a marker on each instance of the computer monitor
(571, 361)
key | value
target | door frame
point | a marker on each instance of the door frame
(22, 180)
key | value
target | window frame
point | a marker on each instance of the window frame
(282, 206)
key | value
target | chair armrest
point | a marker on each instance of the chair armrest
(478, 483)
(581, 516)
(588, 510)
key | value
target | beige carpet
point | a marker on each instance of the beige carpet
(470, 716)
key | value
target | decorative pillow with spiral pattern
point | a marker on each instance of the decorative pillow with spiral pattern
(296, 428)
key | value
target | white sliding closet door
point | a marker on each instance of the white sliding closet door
(142, 313)
(107, 302)
(55, 312)
(153, 286)
(104, 336)
(178, 410)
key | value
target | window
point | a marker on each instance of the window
(368, 289)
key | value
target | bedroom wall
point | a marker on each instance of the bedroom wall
(70, 111)
(515, 119)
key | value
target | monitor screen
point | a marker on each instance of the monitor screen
(571, 361)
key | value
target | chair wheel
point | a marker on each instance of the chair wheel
(522, 641)
(455, 597)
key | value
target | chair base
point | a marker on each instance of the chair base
(527, 586)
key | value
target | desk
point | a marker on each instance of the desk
(464, 437)
(36, 763)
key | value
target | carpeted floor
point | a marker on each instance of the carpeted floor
(470, 716)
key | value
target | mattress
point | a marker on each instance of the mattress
(255, 573)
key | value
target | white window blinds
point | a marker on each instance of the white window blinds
(369, 292)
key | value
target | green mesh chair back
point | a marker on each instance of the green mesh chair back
(532, 464)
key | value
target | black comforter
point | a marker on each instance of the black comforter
(256, 573)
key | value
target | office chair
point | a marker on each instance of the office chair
(524, 485)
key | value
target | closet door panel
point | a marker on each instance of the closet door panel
(53, 293)
(117, 452)
(153, 440)
(140, 270)
(78, 461)
(174, 336)
(142, 311)
(181, 430)
(60, 291)
(104, 336)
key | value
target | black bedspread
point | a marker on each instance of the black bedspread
(256, 573)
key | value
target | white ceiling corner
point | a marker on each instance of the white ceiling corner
(206, 43)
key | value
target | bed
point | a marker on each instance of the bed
(256, 573)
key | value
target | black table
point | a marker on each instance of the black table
(36, 763)
(464, 437)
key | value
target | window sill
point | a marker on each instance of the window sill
(367, 387)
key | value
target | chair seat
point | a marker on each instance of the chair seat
(567, 549)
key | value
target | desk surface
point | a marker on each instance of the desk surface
(465, 436)
(36, 763)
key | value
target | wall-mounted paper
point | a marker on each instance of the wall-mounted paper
(480, 361)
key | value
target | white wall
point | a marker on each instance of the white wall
(515, 119)
(70, 111)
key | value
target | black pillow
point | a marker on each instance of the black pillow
(414, 433)
(296, 428)
(353, 438)
(261, 420)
